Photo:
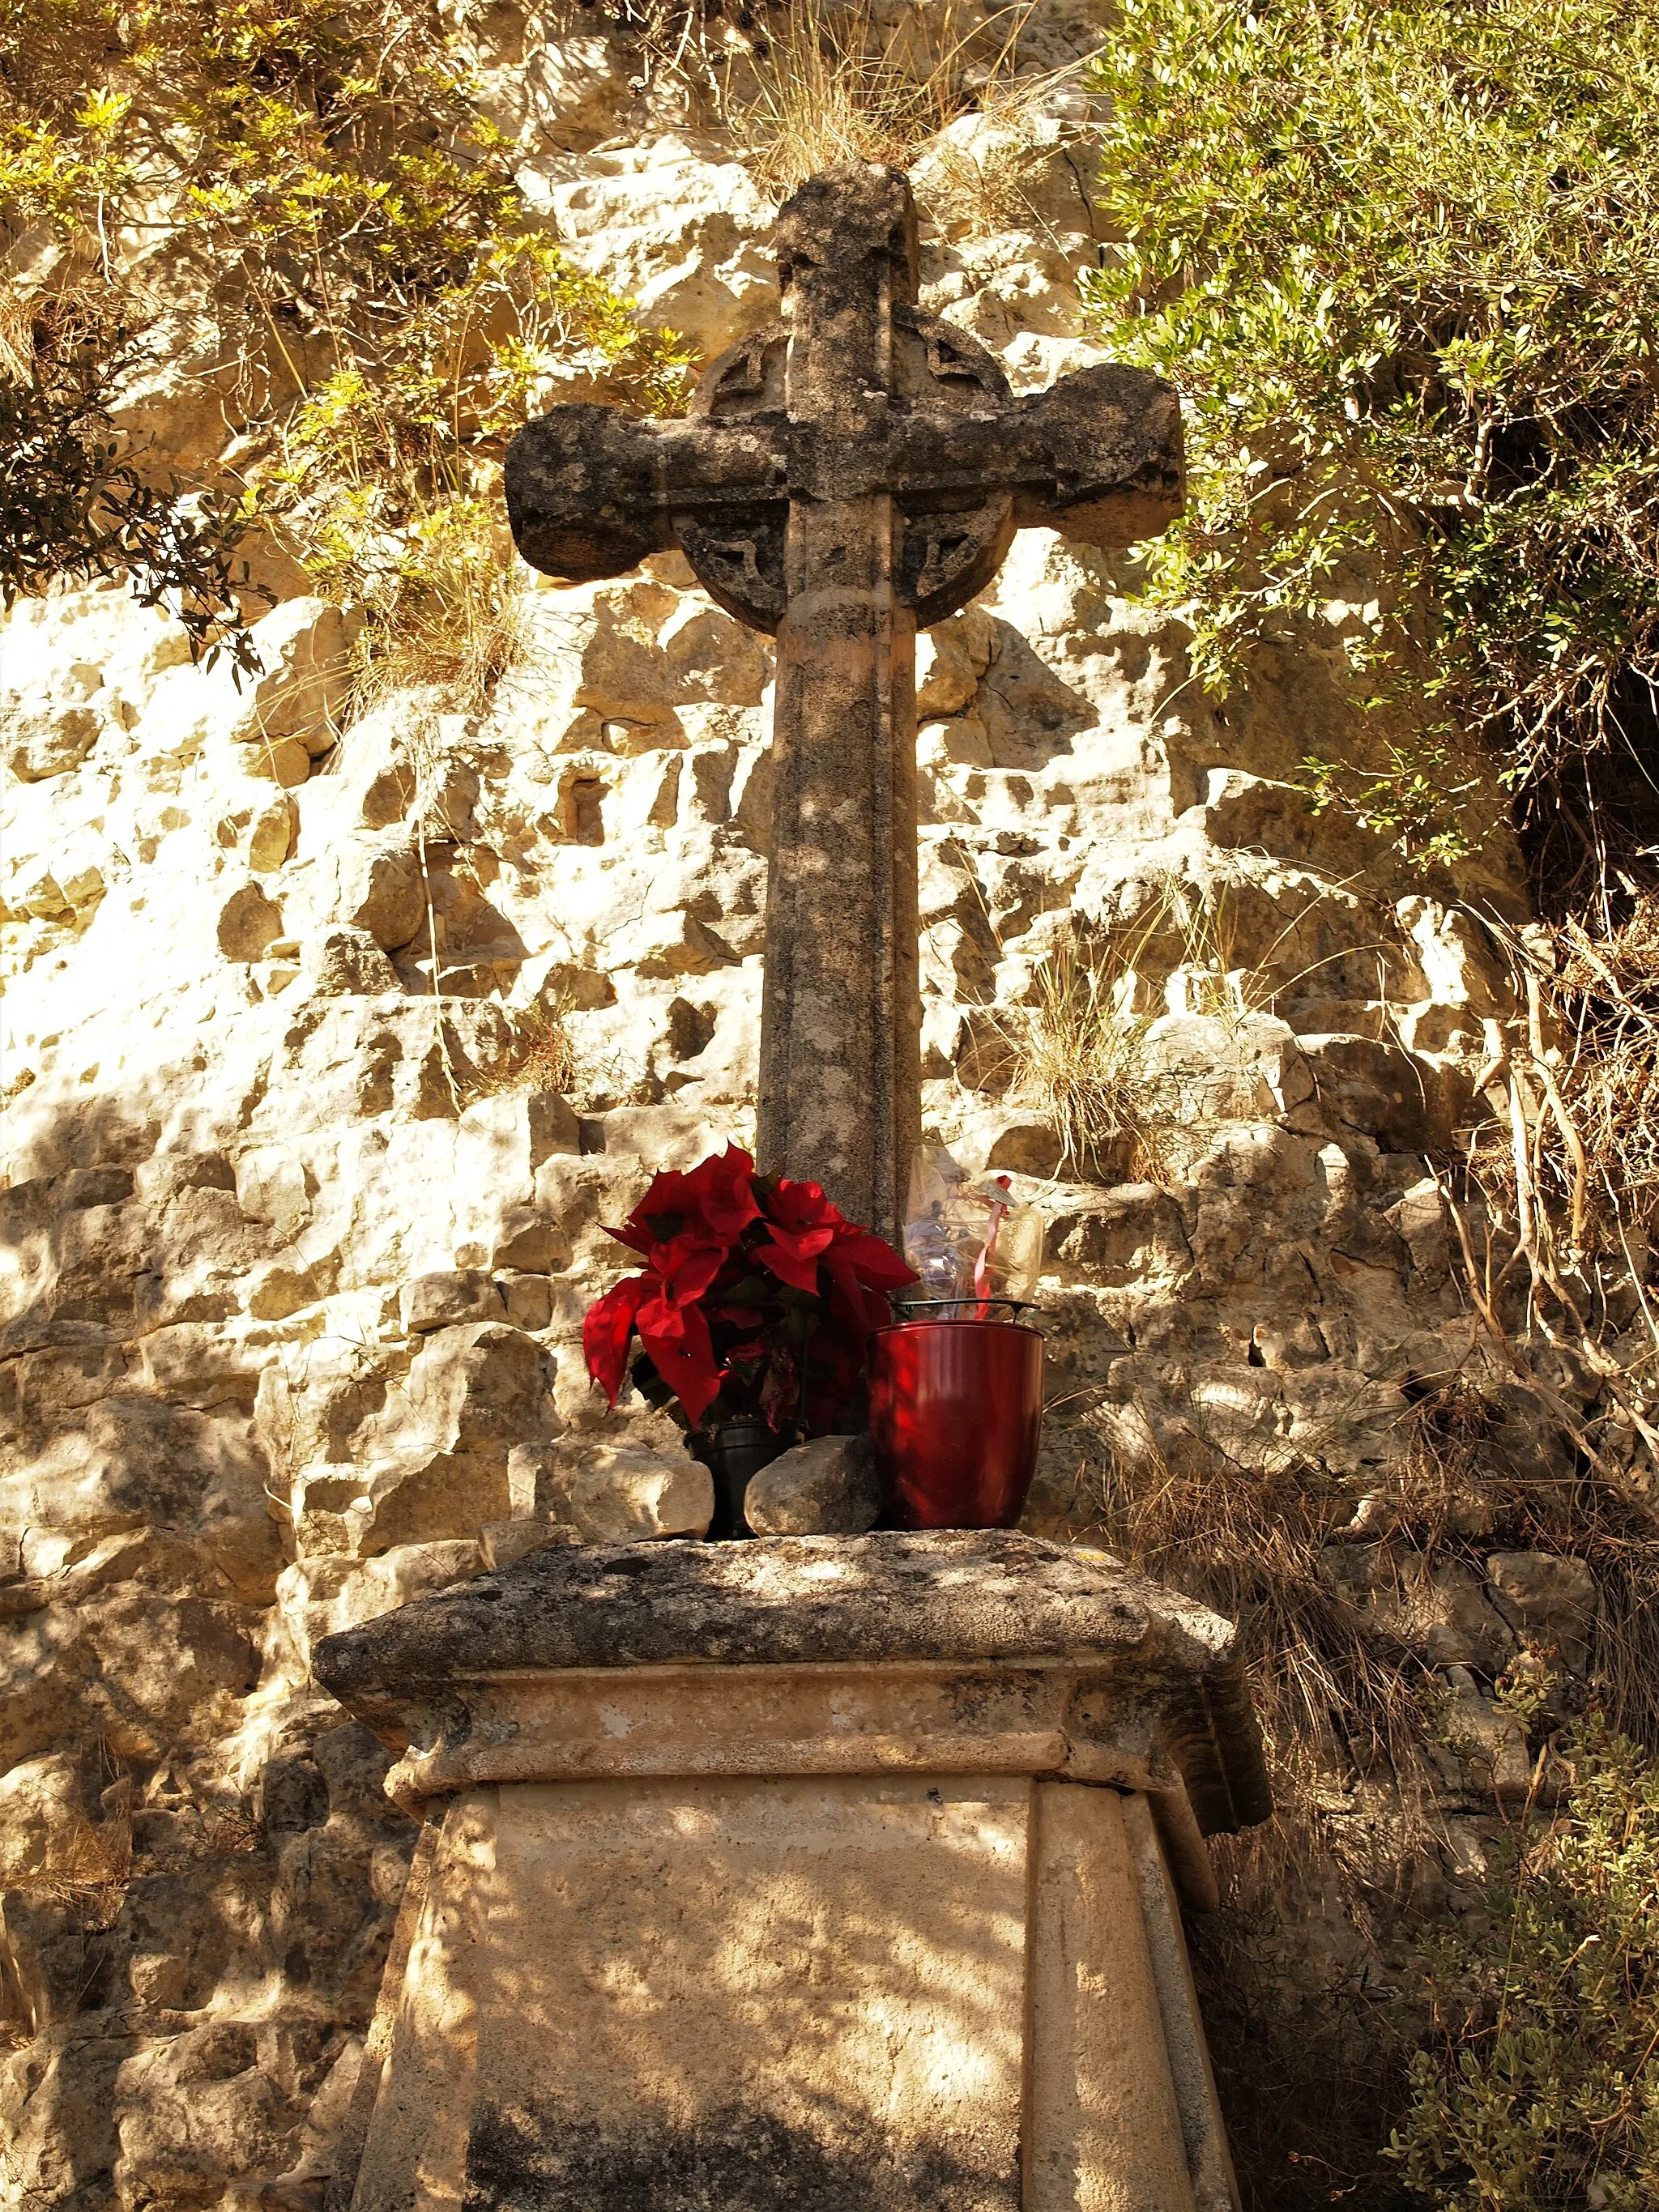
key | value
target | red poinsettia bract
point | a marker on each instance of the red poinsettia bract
(755, 1297)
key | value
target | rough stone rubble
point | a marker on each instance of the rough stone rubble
(296, 1258)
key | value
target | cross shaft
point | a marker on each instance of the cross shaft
(846, 475)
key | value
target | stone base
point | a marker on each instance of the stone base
(966, 1993)
(833, 1875)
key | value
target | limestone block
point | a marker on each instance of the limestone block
(39, 894)
(526, 1241)
(663, 947)
(1380, 1091)
(808, 1792)
(1226, 1069)
(382, 889)
(46, 1957)
(304, 646)
(321, 1597)
(529, 1300)
(1419, 1219)
(271, 1187)
(43, 1816)
(250, 921)
(58, 2104)
(1254, 812)
(198, 2108)
(197, 1363)
(951, 659)
(683, 234)
(572, 88)
(432, 1498)
(345, 961)
(501, 1142)
(1458, 968)
(1550, 1599)
(440, 1301)
(128, 1461)
(667, 1136)
(964, 742)
(1132, 1234)
(1005, 1141)
(827, 1488)
(727, 1883)
(370, 783)
(45, 739)
(504, 1541)
(480, 1384)
(144, 1671)
(285, 1286)
(1439, 1610)
(270, 836)
(282, 761)
(711, 657)
(184, 1936)
(625, 1493)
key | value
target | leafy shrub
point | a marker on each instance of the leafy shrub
(1540, 2088)
(1399, 256)
(72, 506)
(314, 180)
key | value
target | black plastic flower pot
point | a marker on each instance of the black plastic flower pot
(734, 1454)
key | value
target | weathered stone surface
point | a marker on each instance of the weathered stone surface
(249, 923)
(824, 1488)
(1440, 1610)
(380, 890)
(1548, 1599)
(825, 1602)
(872, 1920)
(43, 1815)
(204, 1134)
(348, 960)
(43, 738)
(623, 1493)
(443, 1301)
(779, 1601)
(504, 1543)
(819, 440)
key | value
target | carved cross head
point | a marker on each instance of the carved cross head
(855, 400)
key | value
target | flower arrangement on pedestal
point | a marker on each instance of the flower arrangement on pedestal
(754, 1303)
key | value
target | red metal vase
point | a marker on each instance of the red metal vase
(955, 1413)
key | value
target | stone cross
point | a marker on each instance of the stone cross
(846, 476)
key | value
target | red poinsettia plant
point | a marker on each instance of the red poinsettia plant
(755, 1300)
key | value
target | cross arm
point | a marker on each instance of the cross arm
(591, 491)
(1098, 457)
(1101, 456)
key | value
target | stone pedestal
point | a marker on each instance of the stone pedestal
(839, 1875)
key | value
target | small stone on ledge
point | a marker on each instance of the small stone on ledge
(824, 1488)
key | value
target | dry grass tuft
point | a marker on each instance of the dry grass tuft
(1607, 996)
(452, 622)
(1247, 1540)
(986, 193)
(87, 1870)
(1078, 1055)
(1079, 1052)
(544, 1057)
(829, 84)
(1571, 1155)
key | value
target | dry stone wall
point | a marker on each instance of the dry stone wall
(297, 1243)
